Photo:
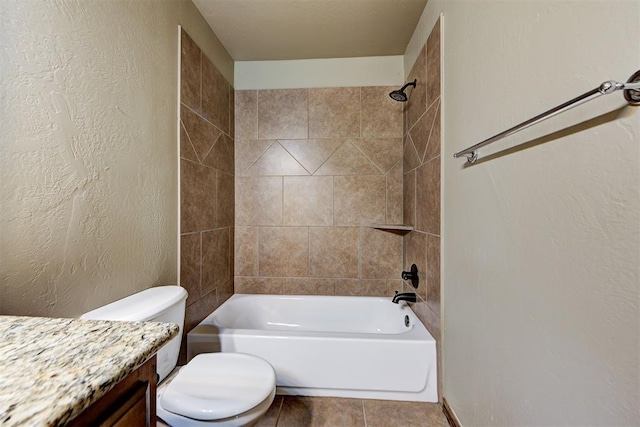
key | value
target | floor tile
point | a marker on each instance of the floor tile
(270, 419)
(386, 413)
(321, 411)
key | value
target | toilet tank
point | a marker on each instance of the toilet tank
(159, 304)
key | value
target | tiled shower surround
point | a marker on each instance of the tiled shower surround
(421, 172)
(314, 168)
(206, 184)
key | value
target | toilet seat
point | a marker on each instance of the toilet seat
(215, 386)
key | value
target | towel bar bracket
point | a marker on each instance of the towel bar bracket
(632, 89)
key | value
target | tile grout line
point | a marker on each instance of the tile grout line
(201, 263)
(257, 134)
(279, 411)
(364, 413)
(206, 120)
(426, 148)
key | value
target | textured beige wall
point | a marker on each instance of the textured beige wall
(89, 153)
(314, 168)
(541, 247)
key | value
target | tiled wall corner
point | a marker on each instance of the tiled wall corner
(315, 167)
(207, 185)
(422, 171)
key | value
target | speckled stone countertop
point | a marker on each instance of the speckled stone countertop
(53, 369)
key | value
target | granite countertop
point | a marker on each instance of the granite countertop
(53, 369)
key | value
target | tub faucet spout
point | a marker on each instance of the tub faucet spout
(405, 296)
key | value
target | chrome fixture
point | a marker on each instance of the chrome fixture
(405, 296)
(411, 276)
(400, 95)
(631, 93)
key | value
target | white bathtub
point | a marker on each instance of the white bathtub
(327, 346)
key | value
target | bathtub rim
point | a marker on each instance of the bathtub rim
(418, 331)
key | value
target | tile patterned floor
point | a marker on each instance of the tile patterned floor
(298, 411)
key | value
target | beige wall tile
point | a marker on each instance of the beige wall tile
(428, 197)
(283, 251)
(410, 156)
(215, 96)
(415, 252)
(308, 200)
(190, 265)
(257, 285)
(232, 253)
(283, 113)
(416, 106)
(312, 153)
(232, 112)
(359, 200)
(225, 202)
(433, 273)
(334, 112)
(422, 130)
(433, 64)
(196, 312)
(333, 251)
(276, 161)
(381, 115)
(348, 160)
(362, 287)
(224, 291)
(384, 152)
(198, 197)
(381, 254)
(246, 251)
(202, 134)
(429, 318)
(216, 251)
(307, 286)
(186, 147)
(395, 285)
(190, 78)
(221, 155)
(247, 151)
(259, 200)
(246, 114)
(433, 147)
(409, 198)
(394, 195)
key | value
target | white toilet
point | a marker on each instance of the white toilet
(221, 389)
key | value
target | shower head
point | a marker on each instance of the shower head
(400, 95)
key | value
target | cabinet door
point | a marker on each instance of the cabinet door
(130, 403)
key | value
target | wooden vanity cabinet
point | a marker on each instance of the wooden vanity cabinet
(131, 403)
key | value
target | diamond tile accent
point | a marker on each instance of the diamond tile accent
(348, 160)
(312, 153)
(276, 161)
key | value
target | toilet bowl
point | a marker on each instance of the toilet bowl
(221, 389)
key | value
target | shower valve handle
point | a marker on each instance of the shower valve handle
(411, 276)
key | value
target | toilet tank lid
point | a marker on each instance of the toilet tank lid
(141, 306)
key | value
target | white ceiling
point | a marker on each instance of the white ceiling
(260, 30)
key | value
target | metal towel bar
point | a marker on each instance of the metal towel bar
(631, 93)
